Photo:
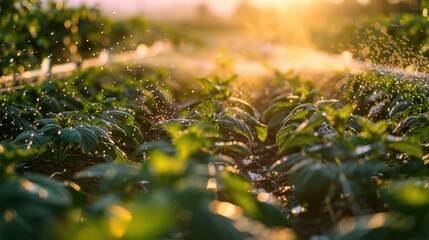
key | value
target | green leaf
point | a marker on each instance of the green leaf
(109, 123)
(408, 123)
(294, 140)
(315, 176)
(246, 106)
(409, 196)
(189, 106)
(260, 128)
(111, 172)
(261, 132)
(46, 121)
(50, 129)
(285, 132)
(163, 164)
(183, 122)
(405, 146)
(286, 162)
(153, 217)
(133, 132)
(32, 139)
(85, 135)
(118, 114)
(421, 134)
(277, 112)
(399, 107)
(111, 152)
(21, 123)
(377, 110)
(300, 113)
(332, 104)
(210, 226)
(48, 189)
(239, 126)
(235, 146)
(159, 145)
(238, 189)
(380, 128)
(222, 158)
(311, 123)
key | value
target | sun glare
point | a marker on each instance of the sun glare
(280, 3)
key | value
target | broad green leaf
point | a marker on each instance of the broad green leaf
(238, 125)
(111, 152)
(377, 110)
(345, 113)
(300, 113)
(189, 106)
(421, 134)
(238, 188)
(46, 121)
(210, 226)
(359, 123)
(133, 132)
(295, 140)
(108, 123)
(408, 123)
(14, 114)
(183, 122)
(315, 176)
(277, 112)
(163, 164)
(85, 135)
(333, 104)
(159, 145)
(408, 196)
(237, 147)
(261, 132)
(51, 130)
(311, 123)
(375, 97)
(47, 189)
(153, 218)
(399, 107)
(380, 127)
(222, 158)
(405, 146)
(187, 145)
(118, 114)
(286, 162)
(285, 132)
(32, 139)
(246, 106)
(111, 172)
(260, 129)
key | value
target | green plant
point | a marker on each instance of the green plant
(185, 194)
(228, 113)
(60, 135)
(33, 205)
(16, 115)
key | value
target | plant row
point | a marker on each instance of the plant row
(110, 154)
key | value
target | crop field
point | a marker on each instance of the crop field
(166, 130)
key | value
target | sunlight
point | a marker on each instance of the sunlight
(282, 3)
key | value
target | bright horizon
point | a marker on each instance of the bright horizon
(221, 7)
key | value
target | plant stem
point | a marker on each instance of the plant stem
(348, 192)
(65, 152)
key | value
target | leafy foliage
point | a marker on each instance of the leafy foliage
(136, 159)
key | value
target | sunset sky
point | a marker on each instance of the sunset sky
(223, 7)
